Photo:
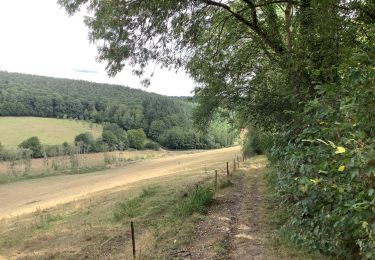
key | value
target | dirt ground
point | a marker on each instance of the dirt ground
(237, 224)
(37, 194)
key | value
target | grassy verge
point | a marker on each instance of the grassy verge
(9, 178)
(164, 212)
(168, 216)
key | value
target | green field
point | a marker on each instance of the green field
(13, 130)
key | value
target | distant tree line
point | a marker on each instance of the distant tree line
(166, 120)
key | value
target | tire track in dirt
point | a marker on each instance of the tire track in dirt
(246, 240)
(234, 224)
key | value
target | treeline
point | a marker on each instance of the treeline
(163, 119)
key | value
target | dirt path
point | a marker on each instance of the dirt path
(235, 226)
(27, 196)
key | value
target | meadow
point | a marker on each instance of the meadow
(14, 130)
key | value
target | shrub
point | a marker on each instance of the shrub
(85, 138)
(137, 138)
(34, 145)
(152, 146)
(110, 139)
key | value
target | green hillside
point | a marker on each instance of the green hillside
(14, 130)
(166, 120)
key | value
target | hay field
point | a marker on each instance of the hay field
(14, 130)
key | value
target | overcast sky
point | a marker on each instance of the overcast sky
(38, 37)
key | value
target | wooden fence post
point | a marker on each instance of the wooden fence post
(234, 164)
(215, 180)
(227, 168)
(133, 238)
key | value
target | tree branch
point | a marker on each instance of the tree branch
(252, 25)
(288, 24)
(275, 2)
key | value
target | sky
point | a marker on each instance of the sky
(38, 37)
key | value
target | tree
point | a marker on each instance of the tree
(110, 139)
(86, 141)
(156, 128)
(85, 138)
(34, 145)
(301, 71)
(136, 138)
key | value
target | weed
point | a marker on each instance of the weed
(44, 221)
(220, 247)
(149, 191)
(194, 202)
(129, 208)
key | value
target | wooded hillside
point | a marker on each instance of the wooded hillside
(164, 119)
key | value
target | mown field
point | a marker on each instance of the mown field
(14, 130)
(169, 214)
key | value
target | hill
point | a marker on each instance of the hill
(29, 95)
(14, 130)
(166, 120)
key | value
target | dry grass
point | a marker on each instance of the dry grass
(99, 227)
(14, 130)
(60, 165)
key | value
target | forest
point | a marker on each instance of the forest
(299, 73)
(166, 120)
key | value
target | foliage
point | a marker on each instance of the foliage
(85, 139)
(117, 107)
(26, 95)
(152, 146)
(256, 142)
(34, 145)
(300, 71)
(115, 137)
(137, 138)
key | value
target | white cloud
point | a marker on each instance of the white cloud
(38, 37)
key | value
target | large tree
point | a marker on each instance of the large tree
(300, 70)
(236, 50)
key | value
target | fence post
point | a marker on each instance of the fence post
(227, 169)
(133, 238)
(215, 180)
(234, 164)
(238, 164)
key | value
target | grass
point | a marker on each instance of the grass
(60, 166)
(14, 177)
(164, 210)
(14, 130)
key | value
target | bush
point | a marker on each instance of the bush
(34, 145)
(52, 150)
(85, 138)
(115, 137)
(152, 146)
(110, 139)
(137, 138)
